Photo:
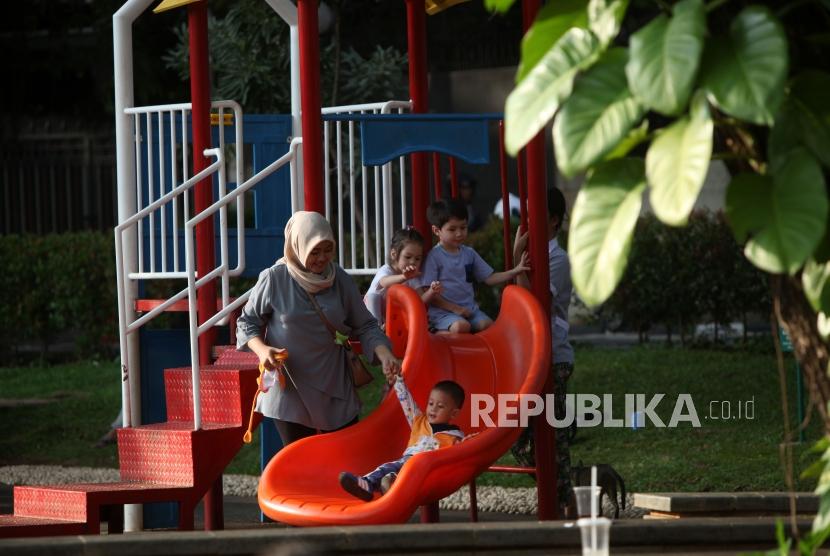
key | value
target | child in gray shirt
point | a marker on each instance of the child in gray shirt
(457, 267)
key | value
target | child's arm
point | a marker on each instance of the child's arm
(519, 248)
(428, 294)
(407, 274)
(408, 405)
(502, 277)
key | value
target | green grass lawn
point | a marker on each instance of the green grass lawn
(723, 455)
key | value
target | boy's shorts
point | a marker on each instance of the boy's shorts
(444, 319)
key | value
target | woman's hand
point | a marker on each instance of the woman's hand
(391, 364)
(268, 355)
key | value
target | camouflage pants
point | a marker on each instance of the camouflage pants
(523, 450)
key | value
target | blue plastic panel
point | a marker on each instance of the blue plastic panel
(385, 139)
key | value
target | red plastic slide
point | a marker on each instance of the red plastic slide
(300, 485)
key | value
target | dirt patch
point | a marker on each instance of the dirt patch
(24, 402)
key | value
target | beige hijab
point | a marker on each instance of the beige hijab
(303, 232)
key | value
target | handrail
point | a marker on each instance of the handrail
(385, 105)
(197, 330)
(164, 199)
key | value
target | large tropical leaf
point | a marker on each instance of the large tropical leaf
(500, 6)
(748, 200)
(677, 162)
(552, 21)
(535, 100)
(605, 17)
(596, 116)
(664, 58)
(785, 135)
(745, 72)
(634, 137)
(604, 216)
(814, 278)
(808, 94)
(796, 215)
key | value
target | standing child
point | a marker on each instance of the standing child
(405, 258)
(430, 431)
(563, 353)
(457, 266)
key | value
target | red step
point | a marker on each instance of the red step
(220, 387)
(14, 526)
(159, 463)
(77, 508)
(229, 354)
(175, 454)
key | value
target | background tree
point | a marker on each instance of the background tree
(250, 62)
(683, 83)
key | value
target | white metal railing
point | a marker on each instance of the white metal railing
(150, 158)
(122, 277)
(220, 205)
(376, 195)
(162, 207)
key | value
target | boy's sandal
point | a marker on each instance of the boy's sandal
(352, 484)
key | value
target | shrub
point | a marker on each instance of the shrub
(57, 283)
(678, 277)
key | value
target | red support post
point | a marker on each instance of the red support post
(546, 465)
(205, 236)
(310, 104)
(436, 175)
(418, 92)
(505, 201)
(200, 118)
(521, 168)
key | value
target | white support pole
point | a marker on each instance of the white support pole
(122, 36)
(288, 12)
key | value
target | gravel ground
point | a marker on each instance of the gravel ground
(490, 498)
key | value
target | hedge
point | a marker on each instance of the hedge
(58, 283)
(679, 277)
(676, 277)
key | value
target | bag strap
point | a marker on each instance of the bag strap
(332, 330)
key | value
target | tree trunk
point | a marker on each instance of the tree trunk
(794, 313)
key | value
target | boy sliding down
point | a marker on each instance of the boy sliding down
(430, 431)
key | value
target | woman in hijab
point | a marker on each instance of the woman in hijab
(280, 314)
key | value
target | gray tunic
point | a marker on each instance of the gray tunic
(322, 395)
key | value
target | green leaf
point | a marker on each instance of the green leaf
(552, 21)
(814, 279)
(785, 135)
(665, 55)
(498, 6)
(596, 116)
(808, 93)
(677, 162)
(822, 520)
(796, 217)
(535, 100)
(745, 72)
(634, 138)
(813, 471)
(604, 216)
(605, 17)
(823, 325)
(748, 200)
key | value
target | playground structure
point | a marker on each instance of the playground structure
(182, 459)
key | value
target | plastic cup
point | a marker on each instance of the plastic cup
(596, 535)
(583, 499)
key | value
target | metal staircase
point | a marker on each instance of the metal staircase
(163, 462)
